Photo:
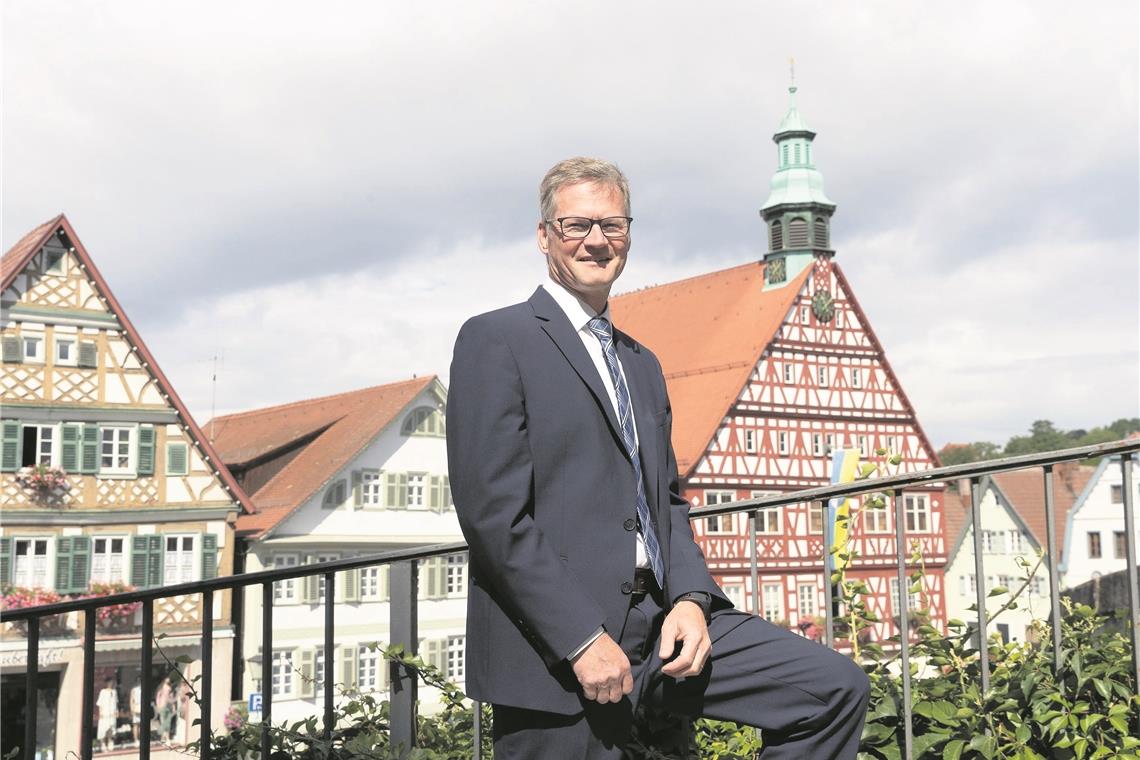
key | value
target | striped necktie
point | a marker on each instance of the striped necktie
(603, 331)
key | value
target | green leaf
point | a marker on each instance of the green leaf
(953, 749)
(998, 591)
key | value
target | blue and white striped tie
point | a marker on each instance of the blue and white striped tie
(602, 329)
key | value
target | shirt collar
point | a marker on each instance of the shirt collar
(577, 311)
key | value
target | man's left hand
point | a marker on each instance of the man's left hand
(685, 623)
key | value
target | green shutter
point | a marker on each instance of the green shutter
(310, 591)
(10, 458)
(388, 488)
(308, 673)
(177, 459)
(88, 354)
(357, 488)
(352, 586)
(209, 556)
(146, 450)
(146, 561)
(348, 666)
(80, 563)
(63, 565)
(402, 489)
(12, 351)
(5, 561)
(69, 457)
(435, 500)
(446, 487)
(89, 450)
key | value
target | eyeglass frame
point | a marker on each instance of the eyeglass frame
(562, 232)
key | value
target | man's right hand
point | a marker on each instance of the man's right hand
(603, 670)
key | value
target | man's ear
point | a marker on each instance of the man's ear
(543, 237)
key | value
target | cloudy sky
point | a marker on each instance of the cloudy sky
(319, 199)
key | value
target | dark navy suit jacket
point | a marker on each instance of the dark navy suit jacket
(546, 498)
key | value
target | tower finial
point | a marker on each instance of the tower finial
(792, 67)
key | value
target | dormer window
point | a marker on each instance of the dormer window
(424, 420)
(54, 259)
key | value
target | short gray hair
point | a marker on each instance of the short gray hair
(573, 171)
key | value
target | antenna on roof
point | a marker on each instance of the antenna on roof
(219, 355)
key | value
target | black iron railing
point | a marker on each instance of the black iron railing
(403, 597)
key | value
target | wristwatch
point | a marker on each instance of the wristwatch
(702, 598)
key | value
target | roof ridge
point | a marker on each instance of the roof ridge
(701, 276)
(319, 399)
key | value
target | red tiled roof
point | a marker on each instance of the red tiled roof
(344, 424)
(1025, 490)
(955, 511)
(708, 332)
(16, 259)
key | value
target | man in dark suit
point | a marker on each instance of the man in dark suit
(588, 594)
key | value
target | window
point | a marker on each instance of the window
(863, 452)
(286, 590)
(335, 495)
(856, 377)
(321, 577)
(789, 372)
(821, 375)
(178, 560)
(115, 450)
(815, 518)
(455, 651)
(805, 595)
(917, 512)
(913, 598)
(38, 445)
(817, 444)
(53, 260)
(797, 151)
(369, 664)
(735, 594)
(456, 575)
(798, 236)
(750, 441)
(782, 441)
(892, 444)
(767, 520)
(282, 673)
(33, 347)
(829, 442)
(721, 524)
(1094, 544)
(30, 568)
(1116, 494)
(65, 351)
(319, 668)
(805, 314)
(424, 421)
(108, 560)
(820, 222)
(992, 542)
(1015, 541)
(374, 583)
(1119, 546)
(1036, 586)
(416, 483)
(370, 488)
(876, 519)
(773, 594)
(968, 584)
(1005, 581)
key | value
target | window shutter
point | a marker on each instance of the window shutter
(88, 354)
(80, 563)
(308, 671)
(348, 666)
(352, 586)
(11, 349)
(310, 594)
(446, 488)
(357, 488)
(89, 450)
(434, 500)
(69, 456)
(177, 459)
(139, 556)
(63, 565)
(10, 458)
(146, 450)
(209, 556)
(384, 583)
(5, 561)
(388, 487)
(402, 489)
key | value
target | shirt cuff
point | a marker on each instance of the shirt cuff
(582, 647)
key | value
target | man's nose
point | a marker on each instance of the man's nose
(594, 236)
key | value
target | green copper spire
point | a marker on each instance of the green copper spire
(797, 212)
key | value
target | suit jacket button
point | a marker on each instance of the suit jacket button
(630, 524)
(627, 588)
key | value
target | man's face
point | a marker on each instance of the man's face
(586, 267)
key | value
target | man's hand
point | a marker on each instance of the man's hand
(603, 670)
(685, 623)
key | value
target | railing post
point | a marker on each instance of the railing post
(31, 702)
(330, 597)
(1130, 553)
(828, 570)
(1054, 576)
(753, 550)
(85, 732)
(146, 665)
(904, 625)
(403, 630)
(980, 570)
(477, 726)
(266, 665)
(207, 671)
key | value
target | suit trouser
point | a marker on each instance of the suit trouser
(809, 701)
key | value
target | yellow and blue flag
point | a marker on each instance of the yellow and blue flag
(844, 465)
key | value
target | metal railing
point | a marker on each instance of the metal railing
(403, 598)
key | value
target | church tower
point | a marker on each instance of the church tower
(797, 212)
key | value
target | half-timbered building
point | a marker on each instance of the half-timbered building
(106, 483)
(770, 366)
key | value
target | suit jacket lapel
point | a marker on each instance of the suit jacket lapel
(558, 327)
(641, 390)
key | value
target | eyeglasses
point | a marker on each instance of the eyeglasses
(578, 227)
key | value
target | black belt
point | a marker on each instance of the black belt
(644, 582)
